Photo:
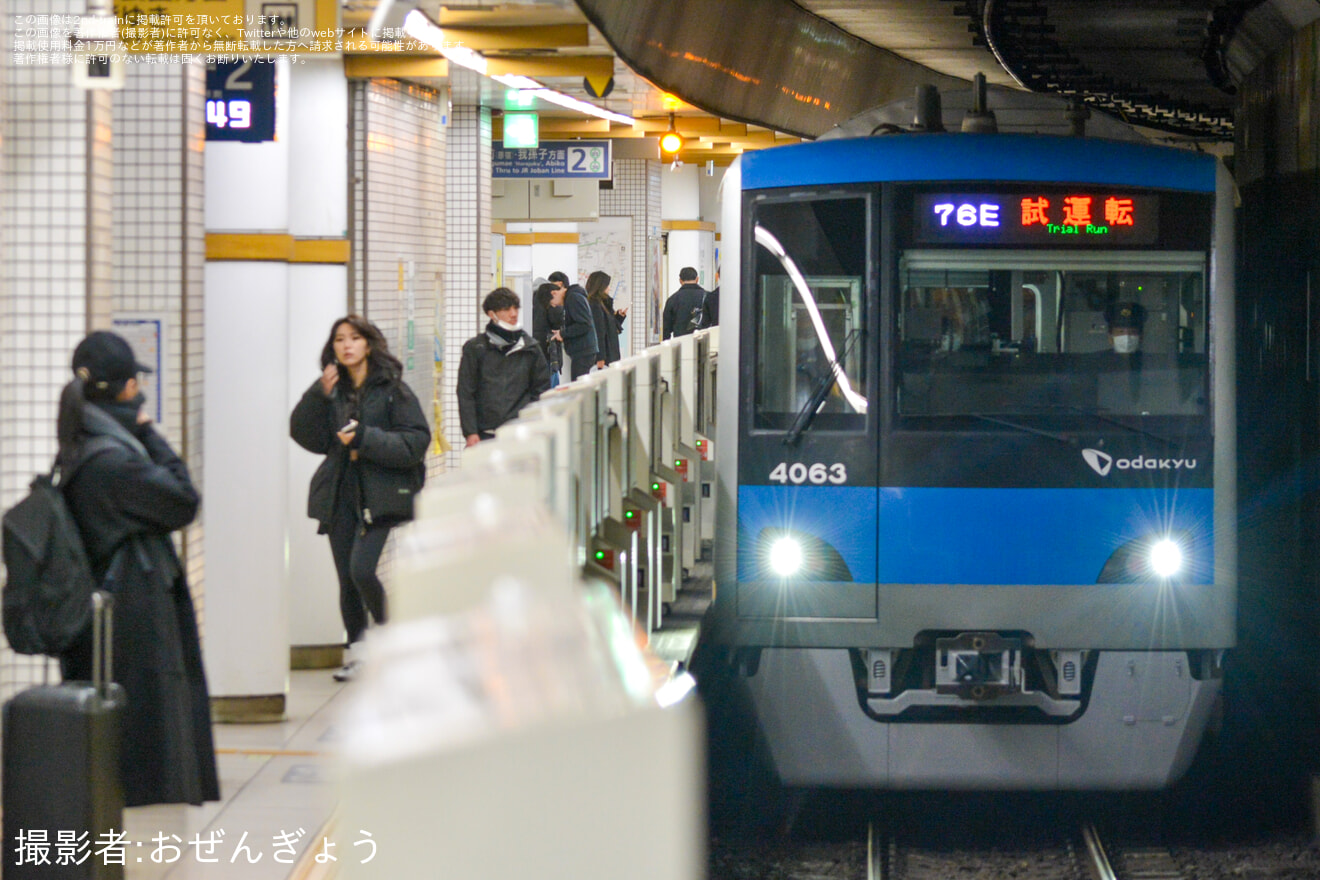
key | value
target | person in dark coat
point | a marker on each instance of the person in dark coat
(681, 304)
(368, 424)
(608, 320)
(547, 322)
(710, 312)
(501, 370)
(127, 496)
(579, 333)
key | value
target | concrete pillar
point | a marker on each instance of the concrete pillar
(317, 296)
(691, 240)
(247, 416)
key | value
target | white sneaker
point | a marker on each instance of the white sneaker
(349, 671)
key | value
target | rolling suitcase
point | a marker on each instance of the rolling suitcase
(63, 796)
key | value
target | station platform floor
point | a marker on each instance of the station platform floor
(278, 785)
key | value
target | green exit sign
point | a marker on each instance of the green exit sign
(520, 131)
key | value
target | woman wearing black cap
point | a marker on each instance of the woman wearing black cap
(128, 493)
(367, 422)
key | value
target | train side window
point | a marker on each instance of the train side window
(809, 277)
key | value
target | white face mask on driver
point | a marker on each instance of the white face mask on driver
(1126, 343)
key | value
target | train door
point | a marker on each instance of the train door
(806, 461)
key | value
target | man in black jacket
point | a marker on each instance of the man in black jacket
(682, 303)
(501, 371)
(579, 330)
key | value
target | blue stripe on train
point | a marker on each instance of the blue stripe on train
(1005, 157)
(977, 536)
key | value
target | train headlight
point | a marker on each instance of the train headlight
(785, 557)
(1166, 558)
(797, 556)
(1162, 557)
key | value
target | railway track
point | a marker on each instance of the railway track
(1079, 857)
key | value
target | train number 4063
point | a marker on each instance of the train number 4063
(798, 473)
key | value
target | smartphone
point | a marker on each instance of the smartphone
(350, 427)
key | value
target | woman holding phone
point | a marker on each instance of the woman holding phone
(367, 422)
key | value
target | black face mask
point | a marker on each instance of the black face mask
(125, 412)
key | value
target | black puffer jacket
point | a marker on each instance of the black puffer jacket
(391, 442)
(495, 383)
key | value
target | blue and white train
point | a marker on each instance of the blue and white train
(961, 541)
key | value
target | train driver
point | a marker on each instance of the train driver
(1125, 321)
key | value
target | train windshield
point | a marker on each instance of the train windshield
(808, 283)
(1025, 334)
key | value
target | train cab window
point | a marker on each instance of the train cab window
(1035, 335)
(809, 275)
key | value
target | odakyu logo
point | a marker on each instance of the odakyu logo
(1103, 462)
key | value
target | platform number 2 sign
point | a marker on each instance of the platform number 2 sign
(240, 101)
(589, 160)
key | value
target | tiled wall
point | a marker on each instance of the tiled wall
(160, 246)
(56, 164)
(398, 217)
(468, 263)
(636, 194)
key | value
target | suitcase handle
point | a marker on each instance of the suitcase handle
(102, 641)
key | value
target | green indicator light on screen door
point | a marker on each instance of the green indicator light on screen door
(600, 554)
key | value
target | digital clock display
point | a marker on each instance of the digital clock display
(1073, 217)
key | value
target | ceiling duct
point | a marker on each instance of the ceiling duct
(764, 62)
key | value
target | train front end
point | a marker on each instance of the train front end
(976, 495)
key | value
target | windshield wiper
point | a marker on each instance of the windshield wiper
(1071, 441)
(807, 414)
(1095, 412)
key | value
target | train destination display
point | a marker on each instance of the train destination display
(1072, 217)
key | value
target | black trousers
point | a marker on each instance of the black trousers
(356, 548)
(581, 366)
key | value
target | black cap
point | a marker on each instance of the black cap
(1125, 316)
(105, 357)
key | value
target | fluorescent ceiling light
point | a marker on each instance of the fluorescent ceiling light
(521, 83)
(582, 106)
(420, 27)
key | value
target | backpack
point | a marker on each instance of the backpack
(47, 597)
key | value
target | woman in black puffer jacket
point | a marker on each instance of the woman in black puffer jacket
(367, 422)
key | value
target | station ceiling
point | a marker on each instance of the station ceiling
(744, 74)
